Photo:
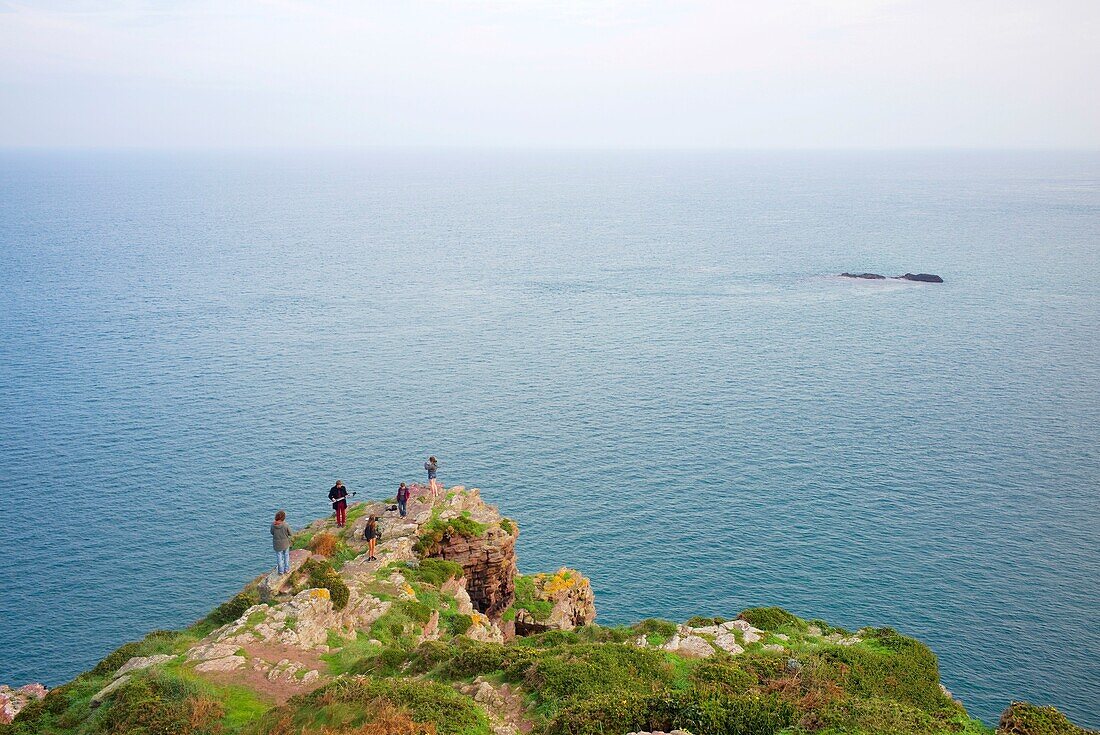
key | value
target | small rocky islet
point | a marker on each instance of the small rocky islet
(443, 635)
(918, 277)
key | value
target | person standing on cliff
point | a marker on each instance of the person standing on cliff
(432, 466)
(280, 539)
(402, 499)
(339, 497)
(371, 533)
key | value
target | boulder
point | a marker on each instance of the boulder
(868, 276)
(689, 645)
(728, 642)
(114, 686)
(143, 662)
(228, 663)
(12, 701)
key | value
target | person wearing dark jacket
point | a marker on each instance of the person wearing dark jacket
(432, 467)
(371, 533)
(402, 499)
(280, 540)
(339, 497)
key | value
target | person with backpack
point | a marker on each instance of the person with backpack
(432, 466)
(372, 533)
(280, 539)
(339, 497)
(402, 499)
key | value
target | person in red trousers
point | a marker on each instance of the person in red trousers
(339, 497)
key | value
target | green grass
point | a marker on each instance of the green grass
(771, 618)
(168, 699)
(350, 654)
(350, 703)
(527, 598)
(355, 512)
(433, 532)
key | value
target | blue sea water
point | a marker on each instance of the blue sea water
(643, 358)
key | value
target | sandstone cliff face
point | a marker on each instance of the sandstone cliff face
(489, 563)
(468, 531)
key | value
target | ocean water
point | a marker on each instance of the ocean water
(643, 358)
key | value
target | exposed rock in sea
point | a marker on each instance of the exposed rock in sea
(920, 277)
(868, 276)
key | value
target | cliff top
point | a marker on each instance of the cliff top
(441, 634)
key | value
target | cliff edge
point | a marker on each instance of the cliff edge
(442, 634)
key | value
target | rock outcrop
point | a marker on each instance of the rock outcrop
(12, 701)
(471, 533)
(919, 277)
(560, 601)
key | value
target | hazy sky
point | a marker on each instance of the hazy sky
(706, 73)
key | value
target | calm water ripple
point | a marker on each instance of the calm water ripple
(642, 358)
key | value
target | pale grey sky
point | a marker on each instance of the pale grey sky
(637, 73)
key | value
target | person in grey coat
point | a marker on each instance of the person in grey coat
(280, 539)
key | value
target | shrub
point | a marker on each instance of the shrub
(322, 575)
(458, 623)
(353, 702)
(907, 671)
(587, 670)
(549, 639)
(435, 572)
(416, 610)
(323, 543)
(771, 618)
(231, 610)
(720, 714)
(723, 675)
(158, 641)
(158, 703)
(700, 622)
(508, 526)
(612, 713)
(656, 626)
(601, 634)
(875, 716)
(1023, 718)
(827, 629)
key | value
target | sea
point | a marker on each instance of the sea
(645, 358)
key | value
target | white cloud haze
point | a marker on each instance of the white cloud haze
(696, 73)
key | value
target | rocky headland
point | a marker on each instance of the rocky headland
(442, 634)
